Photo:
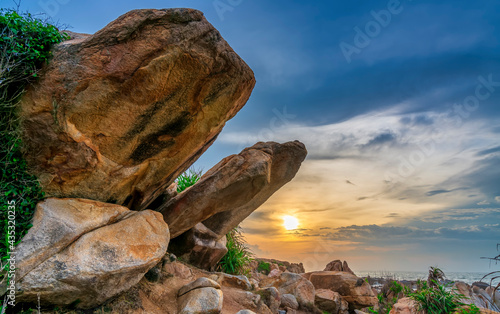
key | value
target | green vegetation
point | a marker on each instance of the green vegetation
(238, 257)
(431, 296)
(187, 179)
(264, 267)
(439, 299)
(25, 43)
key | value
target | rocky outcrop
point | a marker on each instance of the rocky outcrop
(337, 265)
(234, 188)
(87, 251)
(118, 115)
(200, 247)
(296, 268)
(354, 290)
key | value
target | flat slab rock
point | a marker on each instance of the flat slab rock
(116, 116)
(85, 252)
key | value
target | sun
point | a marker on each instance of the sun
(290, 222)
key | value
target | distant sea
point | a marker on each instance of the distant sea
(468, 277)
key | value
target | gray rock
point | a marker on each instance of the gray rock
(99, 264)
(271, 297)
(204, 300)
(289, 300)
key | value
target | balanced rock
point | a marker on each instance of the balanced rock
(357, 292)
(118, 115)
(234, 188)
(89, 264)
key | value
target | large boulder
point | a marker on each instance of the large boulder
(118, 115)
(84, 252)
(59, 222)
(234, 188)
(354, 290)
(200, 247)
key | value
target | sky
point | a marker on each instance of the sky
(397, 103)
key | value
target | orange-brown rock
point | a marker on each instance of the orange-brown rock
(354, 290)
(234, 188)
(337, 265)
(118, 115)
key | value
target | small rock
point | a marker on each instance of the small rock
(240, 281)
(206, 300)
(289, 300)
(271, 297)
(201, 282)
(246, 312)
(275, 273)
(405, 306)
(178, 270)
(255, 283)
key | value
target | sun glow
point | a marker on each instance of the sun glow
(290, 222)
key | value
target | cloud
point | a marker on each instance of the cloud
(497, 199)
(489, 151)
(485, 202)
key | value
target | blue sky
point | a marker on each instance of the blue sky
(398, 105)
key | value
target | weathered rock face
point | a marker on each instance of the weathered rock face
(200, 247)
(354, 290)
(234, 188)
(58, 223)
(118, 115)
(87, 251)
